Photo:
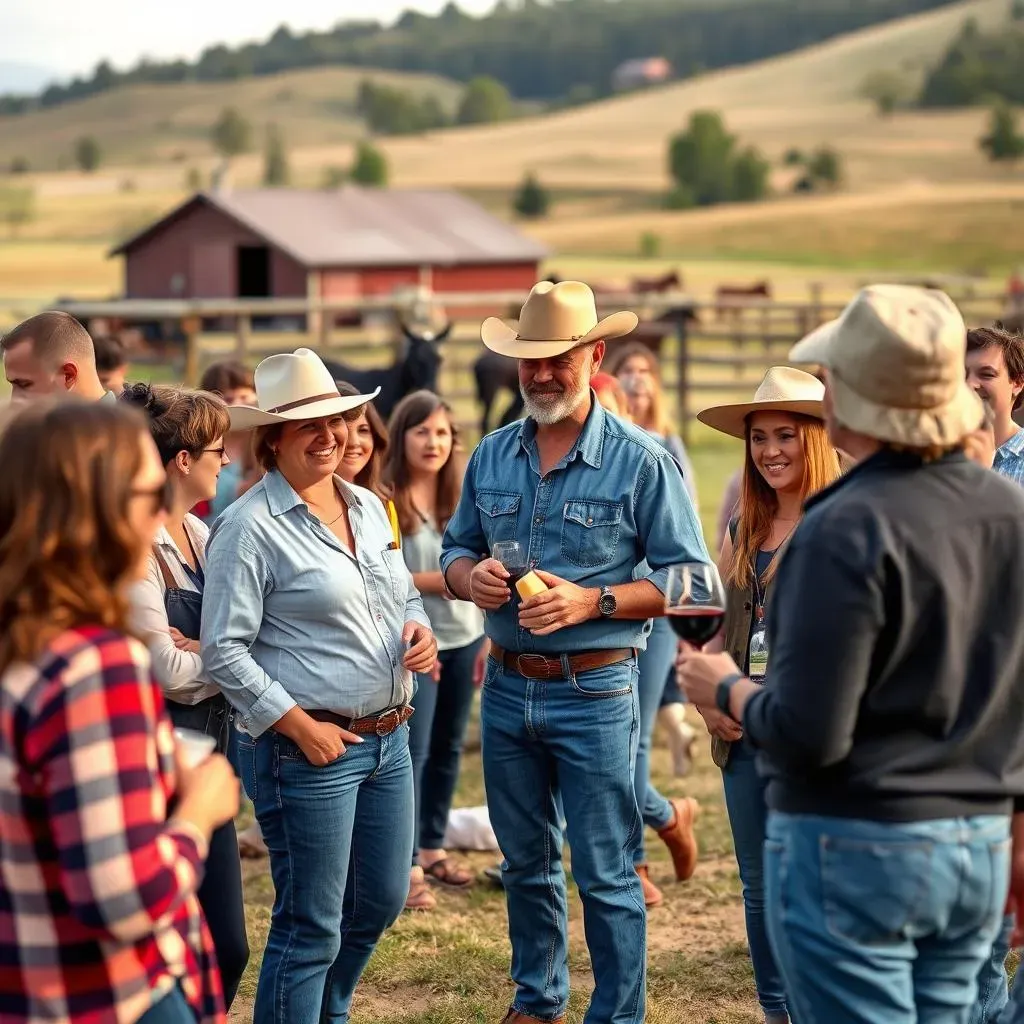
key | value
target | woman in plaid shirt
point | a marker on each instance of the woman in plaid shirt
(99, 920)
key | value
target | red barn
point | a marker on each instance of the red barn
(282, 243)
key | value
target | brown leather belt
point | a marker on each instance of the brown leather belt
(540, 666)
(372, 725)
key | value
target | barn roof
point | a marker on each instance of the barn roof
(362, 227)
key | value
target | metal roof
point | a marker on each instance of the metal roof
(363, 227)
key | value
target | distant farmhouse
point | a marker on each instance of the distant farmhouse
(636, 74)
(349, 243)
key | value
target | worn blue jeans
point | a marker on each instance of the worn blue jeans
(874, 921)
(1013, 1011)
(340, 840)
(577, 736)
(436, 734)
(748, 817)
(993, 994)
(653, 665)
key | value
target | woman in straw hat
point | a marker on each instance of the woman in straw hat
(787, 458)
(312, 628)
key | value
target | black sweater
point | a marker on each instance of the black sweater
(895, 687)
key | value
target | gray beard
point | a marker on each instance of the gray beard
(550, 409)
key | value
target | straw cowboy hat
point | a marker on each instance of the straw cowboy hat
(294, 386)
(895, 361)
(782, 390)
(554, 319)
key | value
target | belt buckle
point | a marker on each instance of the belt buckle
(384, 726)
(540, 658)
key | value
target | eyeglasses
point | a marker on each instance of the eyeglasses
(219, 452)
(160, 496)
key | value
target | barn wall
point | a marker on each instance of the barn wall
(500, 277)
(200, 246)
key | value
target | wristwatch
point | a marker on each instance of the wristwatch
(606, 603)
(723, 690)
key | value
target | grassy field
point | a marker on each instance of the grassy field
(451, 966)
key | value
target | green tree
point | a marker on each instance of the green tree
(275, 159)
(793, 157)
(1017, 10)
(825, 167)
(532, 199)
(232, 133)
(1004, 141)
(370, 166)
(750, 176)
(87, 154)
(17, 207)
(484, 101)
(887, 90)
(701, 158)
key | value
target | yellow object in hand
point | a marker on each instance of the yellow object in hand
(530, 585)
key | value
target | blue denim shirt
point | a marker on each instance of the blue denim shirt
(1009, 459)
(291, 618)
(614, 510)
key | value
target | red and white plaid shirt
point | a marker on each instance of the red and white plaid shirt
(98, 910)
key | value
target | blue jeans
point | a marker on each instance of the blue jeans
(1013, 1012)
(576, 736)
(992, 988)
(340, 839)
(170, 1008)
(436, 734)
(652, 665)
(874, 921)
(748, 816)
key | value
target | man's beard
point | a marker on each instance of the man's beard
(549, 407)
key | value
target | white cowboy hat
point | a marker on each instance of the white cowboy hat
(294, 386)
(782, 390)
(895, 361)
(554, 319)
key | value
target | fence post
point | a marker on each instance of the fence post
(243, 330)
(682, 384)
(190, 327)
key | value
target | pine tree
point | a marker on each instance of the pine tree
(1004, 141)
(275, 159)
(532, 199)
(370, 166)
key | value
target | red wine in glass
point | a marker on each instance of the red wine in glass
(513, 558)
(697, 626)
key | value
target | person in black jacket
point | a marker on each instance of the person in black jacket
(889, 721)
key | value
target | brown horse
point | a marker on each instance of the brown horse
(657, 285)
(731, 298)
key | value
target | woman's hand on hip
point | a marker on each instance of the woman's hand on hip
(324, 742)
(722, 726)
(422, 652)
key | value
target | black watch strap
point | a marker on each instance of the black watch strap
(723, 690)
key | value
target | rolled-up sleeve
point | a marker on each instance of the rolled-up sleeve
(237, 580)
(464, 536)
(799, 722)
(666, 522)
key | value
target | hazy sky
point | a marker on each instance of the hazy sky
(72, 35)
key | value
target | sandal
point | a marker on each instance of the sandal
(420, 897)
(448, 873)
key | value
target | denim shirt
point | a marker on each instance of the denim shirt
(1009, 459)
(614, 510)
(290, 617)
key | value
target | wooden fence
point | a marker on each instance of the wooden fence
(709, 352)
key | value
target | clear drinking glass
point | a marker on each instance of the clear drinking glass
(695, 601)
(513, 557)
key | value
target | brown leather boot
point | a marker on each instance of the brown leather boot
(515, 1017)
(679, 838)
(652, 894)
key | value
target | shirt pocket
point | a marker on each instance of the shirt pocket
(398, 574)
(499, 514)
(590, 531)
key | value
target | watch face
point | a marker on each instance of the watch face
(607, 604)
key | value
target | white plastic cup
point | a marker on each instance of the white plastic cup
(195, 746)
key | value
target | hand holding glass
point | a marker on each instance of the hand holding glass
(695, 601)
(512, 556)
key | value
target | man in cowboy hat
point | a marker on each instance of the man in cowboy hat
(600, 511)
(889, 725)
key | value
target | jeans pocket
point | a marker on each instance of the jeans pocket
(245, 753)
(590, 532)
(600, 683)
(874, 892)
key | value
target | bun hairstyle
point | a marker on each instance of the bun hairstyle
(180, 419)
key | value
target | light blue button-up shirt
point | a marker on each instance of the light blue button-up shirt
(614, 510)
(1009, 459)
(290, 617)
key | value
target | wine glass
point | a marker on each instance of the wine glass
(695, 601)
(512, 556)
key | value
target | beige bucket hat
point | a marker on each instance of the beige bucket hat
(294, 386)
(783, 389)
(895, 359)
(554, 319)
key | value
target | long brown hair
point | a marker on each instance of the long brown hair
(410, 412)
(758, 501)
(371, 476)
(661, 422)
(67, 549)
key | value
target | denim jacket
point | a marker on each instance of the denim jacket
(614, 510)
